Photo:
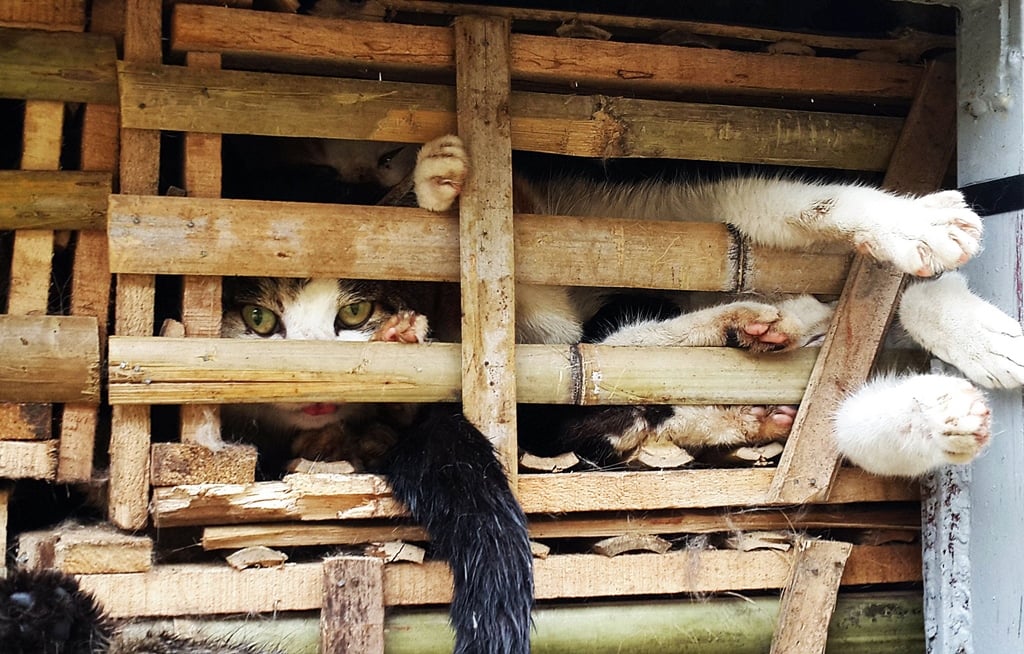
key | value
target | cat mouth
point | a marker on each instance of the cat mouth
(320, 409)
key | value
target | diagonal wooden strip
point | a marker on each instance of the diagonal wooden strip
(810, 597)
(809, 464)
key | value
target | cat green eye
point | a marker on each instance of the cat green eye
(355, 315)
(259, 319)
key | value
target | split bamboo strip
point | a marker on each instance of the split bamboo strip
(49, 359)
(53, 200)
(305, 497)
(632, 67)
(810, 461)
(150, 234)
(230, 102)
(162, 370)
(896, 516)
(197, 589)
(879, 622)
(57, 66)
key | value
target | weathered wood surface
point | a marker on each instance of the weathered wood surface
(80, 549)
(196, 589)
(486, 235)
(53, 200)
(229, 102)
(49, 359)
(908, 45)
(809, 597)
(61, 66)
(898, 516)
(28, 459)
(150, 234)
(54, 15)
(187, 463)
(636, 68)
(352, 615)
(163, 370)
(809, 464)
(139, 167)
(306, 497)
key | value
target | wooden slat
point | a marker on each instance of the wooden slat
(352, 615)
(49, 359)
(28, 460)
(53, 15)
(165, 97)
(150, 234)
(360, 496)
(195, 589)
(486, 235)
(135, 298)
(635, 68)
(809, 597)
(202, 297)
(896, 516)
(53, 200)
(57, 66)
(164, 370)
(809, 464)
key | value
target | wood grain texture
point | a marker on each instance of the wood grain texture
(28, 459)
(197, 589)
(53, 200)
(62, 67)
(809, 464)
(809, 597)
(150, 234)
(352, 615)
(49, 359)
(165, 97)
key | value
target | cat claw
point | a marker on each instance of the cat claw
(403, 327)
(442, 166)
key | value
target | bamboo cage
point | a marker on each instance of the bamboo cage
(232, 70)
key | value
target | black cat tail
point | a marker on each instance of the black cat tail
(447, 474)
(45, 612)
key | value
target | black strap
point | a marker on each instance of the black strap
(996, 196)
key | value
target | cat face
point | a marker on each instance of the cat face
(307, 309)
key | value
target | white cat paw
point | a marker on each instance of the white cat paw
(965, 331)
(403, 327)
(441, 169)
(935, 233)
(909, 426)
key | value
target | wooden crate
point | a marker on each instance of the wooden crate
(50, 399)
(275, 74)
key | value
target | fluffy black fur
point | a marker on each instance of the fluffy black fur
(447, 474)
(45, 612)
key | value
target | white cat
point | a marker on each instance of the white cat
(894, 426)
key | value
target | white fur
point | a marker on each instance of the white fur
(963, 330)
(906, 426)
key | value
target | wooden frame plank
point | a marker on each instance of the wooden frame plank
(28, 459)
(53, 199)
(49, 359)
(810, 461)
(196, 589)
(163, 370)
(593, 126)
(352, 615)
(636, 68)
(64, 67)
(311, 498)
(809, 597)
(150, 234)
(486, 237)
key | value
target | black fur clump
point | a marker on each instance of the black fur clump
(45, 612)
(447, 475)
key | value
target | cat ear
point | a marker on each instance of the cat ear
(962, 329)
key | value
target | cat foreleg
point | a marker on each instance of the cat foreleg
(920, 236)
(907, 426)
(962, 329)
